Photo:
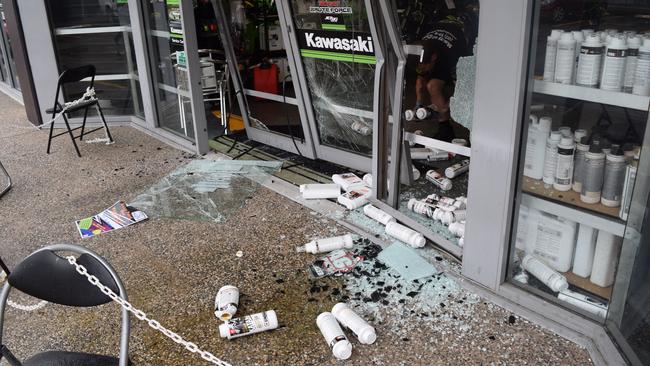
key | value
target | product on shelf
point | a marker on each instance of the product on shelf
(642, 72)
(582, 147)
(583, 259)
(565, 59)
(550, 157)
(614, 64)
(608, 247)
(551, 52)
(564, 165)
(591, 54)
(614, 178)
(538, 132)
(593, 178)
(551, 238)
(579, 38)
(628, 185)
(633, 45)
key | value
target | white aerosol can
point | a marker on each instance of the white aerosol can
(614, 178)
(594, 170)
(439, 180)
(327, 244)
(351, 320)
(614, 65)
(564, 166)
(538, 132)
(250, 324)
(320, 191)
(377, 214)
(580, 163)
(589, 62)
(583, 258)
(457, 169)
(565, 59)
(333, 334)
(347, 181)
(356, 197)
(551, 52)
(579, 38)
(642, 73)
(226, 302)
(544, 273)
(633, 45)
(608, 248)
(405, 234)
(550, 157)
(423, 113)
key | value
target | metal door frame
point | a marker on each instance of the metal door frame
(275, 139)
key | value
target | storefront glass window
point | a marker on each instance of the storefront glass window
(9, 66)
(584, 127)
(98, 33)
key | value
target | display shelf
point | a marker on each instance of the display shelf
(611, 225)
(585, 284)
(620, 99)
(537, 187)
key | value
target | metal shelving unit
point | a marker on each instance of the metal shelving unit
(594, 95)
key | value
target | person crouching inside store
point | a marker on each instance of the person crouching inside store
(436, 74)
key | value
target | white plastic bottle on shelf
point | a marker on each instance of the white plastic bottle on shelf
(642, 74)
(538, 132)
(589, 62)
(565, 59)
(614, 65)
(614, 178)
(608, 247)
(583, 259)
(334, 336)
(405, 234)
(544, 273)
(565, 131)
(550, 157)
(551, 52)
(377, 214)
(633, 45)
(579, 38)
(351, 320)
(551, 238)
(580, 163)
(327, 244)
(564, 166)
(594, 169)
(587, 32)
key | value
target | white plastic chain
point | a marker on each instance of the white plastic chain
(88, 95)
(192, 347)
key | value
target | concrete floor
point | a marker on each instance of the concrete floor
(172, 269)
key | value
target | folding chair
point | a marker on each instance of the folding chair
(71, 76)
(6, 178)
(47, 276)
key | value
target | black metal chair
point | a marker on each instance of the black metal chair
(71, 76)
(7, 180)
(48, 276)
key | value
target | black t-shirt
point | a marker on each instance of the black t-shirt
(447, 39)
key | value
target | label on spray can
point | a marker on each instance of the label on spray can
(614, 69)
(613, 180)
(642, 74)
(549, 61)
(593, 178)
(589, 66)
(250, 324)
(630, 69)
(564, 167)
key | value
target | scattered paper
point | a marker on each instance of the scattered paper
(115, 217)
(334, 263)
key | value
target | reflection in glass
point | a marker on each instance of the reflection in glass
(9, 66)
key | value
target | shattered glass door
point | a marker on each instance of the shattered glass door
(338, 58)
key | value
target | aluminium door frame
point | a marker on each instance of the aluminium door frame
(350, 159)
(275, 139)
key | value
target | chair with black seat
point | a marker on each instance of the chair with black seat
(68, 76)
(5, 179)
(47, 276)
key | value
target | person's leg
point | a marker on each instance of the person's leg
(421, 91)
(435, 87)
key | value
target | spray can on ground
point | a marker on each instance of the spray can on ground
(614, 178)
(439, 180)
(580, 163)
(642, 72)
(564, 166)
(420, 207)
(333, 334)
(538, 132)
(250, 324)
(351, 320)
(550, 157)
(347, 181)
(594, 170)
(457, 228)
(565, 59)
(544, 273)
(327, 244)
(355, 198)
(633, 45)
(377, 214)
(457, 169)
(405, 234)
(589, 62)
(226, 302)
(551, 52)
(320, 191)
(614, 65)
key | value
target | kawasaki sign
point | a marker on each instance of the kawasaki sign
(337, 45)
